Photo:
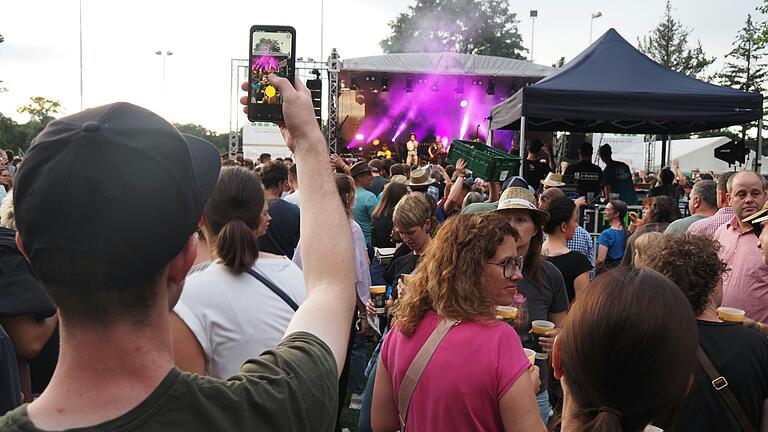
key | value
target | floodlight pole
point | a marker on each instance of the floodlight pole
(521, 143)
(759, 156)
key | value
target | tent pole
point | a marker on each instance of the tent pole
(759, 155)
(663, 151)
(669, 149)
(522, 143)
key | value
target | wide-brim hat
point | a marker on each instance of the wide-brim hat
(399, 178)
(553, 180)
(359, 168)
(516, 198)
(759, 217)
(420, 177)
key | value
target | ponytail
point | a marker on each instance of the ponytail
(236, 246)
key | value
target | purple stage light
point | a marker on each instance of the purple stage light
(400, 130)
(463, 103)
(359, 137)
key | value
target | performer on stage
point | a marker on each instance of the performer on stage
(412, 146)
(436, 151)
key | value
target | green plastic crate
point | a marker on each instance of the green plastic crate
(486, 162)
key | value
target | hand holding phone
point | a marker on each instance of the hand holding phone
(271, 52)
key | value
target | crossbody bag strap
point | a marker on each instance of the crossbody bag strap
(274, 288)
(721, 385)
(419, 363)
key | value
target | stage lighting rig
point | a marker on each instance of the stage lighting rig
(460, 86)
(353, 84)
(409, 84)
(434, 86)
(477, 82)
(384, 83)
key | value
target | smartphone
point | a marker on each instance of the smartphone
(271, 50)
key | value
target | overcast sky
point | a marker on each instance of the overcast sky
(40, 54)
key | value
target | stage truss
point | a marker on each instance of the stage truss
(304, 69)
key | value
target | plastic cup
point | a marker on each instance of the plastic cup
(730, 314)
(378, 296)
(542, 327)
(531, 354)
(506, 312)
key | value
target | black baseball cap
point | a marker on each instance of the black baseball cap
(111, 192)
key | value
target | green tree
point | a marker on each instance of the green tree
(667, 44)
(744, 69)
(15, 136)
(464, 26)
(41, 109)
(220, 141)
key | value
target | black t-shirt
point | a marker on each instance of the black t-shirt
(381, 230)
(283, 232)
(534, 172)
(585, 175)
(671, 190)
(571, 266)
(405, 264)
(741, 356)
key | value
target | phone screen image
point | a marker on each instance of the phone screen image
(271, 52)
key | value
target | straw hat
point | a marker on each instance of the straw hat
(399, 178)
(519, 198)
(420, 177)
(553, 180)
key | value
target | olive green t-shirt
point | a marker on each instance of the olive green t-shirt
(293, 387)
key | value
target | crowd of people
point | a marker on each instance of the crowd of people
(218, 294)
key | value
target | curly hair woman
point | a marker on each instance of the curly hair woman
(664, 211)
(738, 353)
(470, 267)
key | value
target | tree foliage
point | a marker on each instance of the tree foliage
(744, 68)
(220, 141)
(667, 44)
(41, 109)
(464, 26)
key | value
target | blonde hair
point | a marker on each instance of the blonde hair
(447, 278)
(7, 215)
(413, 210)
(646, 245)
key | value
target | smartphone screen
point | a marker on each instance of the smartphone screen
(271, 52)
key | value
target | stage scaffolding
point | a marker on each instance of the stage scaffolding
(304, 69)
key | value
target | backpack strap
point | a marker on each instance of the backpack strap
(419, 363)
(274, 288)
(721, 385)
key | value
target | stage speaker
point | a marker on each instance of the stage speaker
(315, 87)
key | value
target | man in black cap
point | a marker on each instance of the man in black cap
(584, 174)
(112, 248)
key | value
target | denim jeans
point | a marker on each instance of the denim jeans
(356, 383)
(542, 399)
(364, 420)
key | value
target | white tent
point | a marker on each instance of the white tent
(263, 137)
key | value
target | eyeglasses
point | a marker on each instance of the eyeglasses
(511, 265)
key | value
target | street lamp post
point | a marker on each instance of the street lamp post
(597, 14)
(165, 56)
(534, 14)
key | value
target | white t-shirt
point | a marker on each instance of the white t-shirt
(293, 198)
(236, 317)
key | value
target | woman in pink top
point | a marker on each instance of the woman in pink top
(477, 378)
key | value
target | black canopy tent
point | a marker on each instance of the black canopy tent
(613, 87)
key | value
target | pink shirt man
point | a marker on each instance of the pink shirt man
(746, 285)
(709, 225)
(460, 389)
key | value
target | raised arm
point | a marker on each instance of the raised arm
(326, 239)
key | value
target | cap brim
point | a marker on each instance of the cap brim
(206, 163)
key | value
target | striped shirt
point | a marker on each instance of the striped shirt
(709, 225)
